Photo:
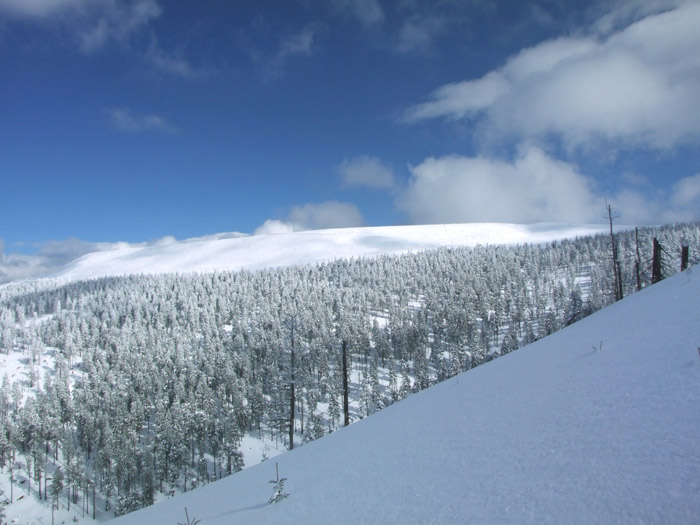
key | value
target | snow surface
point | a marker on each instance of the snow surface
(557, 432)
(285, 249)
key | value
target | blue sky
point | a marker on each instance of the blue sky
(131, 120)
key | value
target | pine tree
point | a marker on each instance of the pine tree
(406, 387)
(56, 486)
(278, 493)
(393, 383)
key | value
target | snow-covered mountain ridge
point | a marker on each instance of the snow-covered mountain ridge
(285, 249)
(597, 423)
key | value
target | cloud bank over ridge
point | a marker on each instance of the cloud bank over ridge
(532, 187)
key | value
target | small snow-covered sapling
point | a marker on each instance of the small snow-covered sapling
(278, 494)
(193, 521)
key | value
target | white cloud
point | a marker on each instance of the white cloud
(634, 179)
(329, 214)
(532, 188)
(637, 86)
(37, 8)
(622, 13)
(461, 99)
(216, 237)
(173, 65)
(49, 258)
(368, 12)
(413, 37)
(52, 255)
(163, 241)
(93, 22)
(685, 195)
(367, 171)
(272, 226)
(315, 216)
(679, 203)
(418, 35)
(633, 207)
(110, 20)
(124, 120)
(299, 44)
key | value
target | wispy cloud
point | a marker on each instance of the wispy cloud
(637, 85)
(315, 216)
(52, 255)
(685, 196)
(49, 258)
(115, 21)
(37, 8)
(622, 13)
(94, 23)
(329, 214)
(298, 45)
(367, 12)
(122, 119)
(171, 64)
(418, 35)
(368, 172)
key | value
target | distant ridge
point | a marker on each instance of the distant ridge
(254, 252)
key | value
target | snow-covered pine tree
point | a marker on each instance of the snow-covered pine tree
(278, 493)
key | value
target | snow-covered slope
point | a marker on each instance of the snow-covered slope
(557, 432)
(284, 249)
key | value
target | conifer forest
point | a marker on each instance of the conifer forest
(142, 386)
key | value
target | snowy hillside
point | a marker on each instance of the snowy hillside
(597, 423)
(285, 249)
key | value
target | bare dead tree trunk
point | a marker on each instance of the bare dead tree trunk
(637, 262)
(656, 273)
(346, 407)
(292, 399)
(617, 270)
(685, 255)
